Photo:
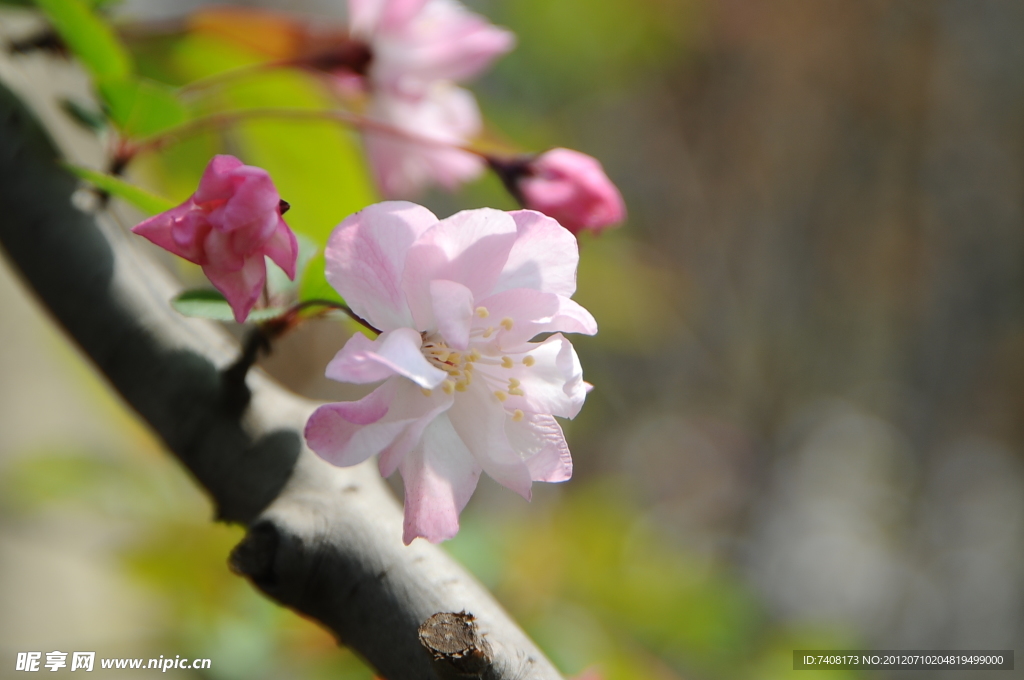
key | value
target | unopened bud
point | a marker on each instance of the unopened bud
(567, 185)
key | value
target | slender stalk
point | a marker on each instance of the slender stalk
(225, 77)
(228, 118)
(280, 324)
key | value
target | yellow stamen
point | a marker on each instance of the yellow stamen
(518, 415)
(461, 386)
(474, 354)
(454, 357)
(515, 391)
(448, 386)
(512, 382)
(506, 323)
(506, 362)
(482, 312)
(426, 392)
(529, 361)
(501, 395)
(489, 332)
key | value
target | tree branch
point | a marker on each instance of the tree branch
(324, 541)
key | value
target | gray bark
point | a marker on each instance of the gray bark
(323, 541)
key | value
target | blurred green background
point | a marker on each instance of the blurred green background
(806, 430)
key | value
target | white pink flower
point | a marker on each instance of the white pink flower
(228, 226)
(416, 43)
(464, 386)
(418, 50)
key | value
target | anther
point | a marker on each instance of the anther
(482, 312)
(506, 362)
(489, 332)
(448, 386)
(506, 323)
(426, 392)
(518, 415)
(515, 391)
(461, 386)
(512, 382)
(474, 354)
(501, 395)
(529, 361)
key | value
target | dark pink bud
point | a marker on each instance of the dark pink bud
(228, 226)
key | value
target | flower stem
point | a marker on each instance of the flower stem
(343, 54)
(228, 118)
(226, 77)
(279, 325)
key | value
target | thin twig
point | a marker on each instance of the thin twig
(228, 118)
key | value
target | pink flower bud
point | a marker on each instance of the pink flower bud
(227, 227)
(569, 186)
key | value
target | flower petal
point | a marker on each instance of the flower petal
(366, 256)
(398, 352)
(369, 16)
(544, 257)
(352, 363)
(343, 433)
(160, 230)
(538, 439)
(418, 410)
(453, 311)
(479, 418)
(445, 117)
(283, 248)
(252, 209)
(364, 15)
(221, 255)
(532, 313)
(217, 182)
(439, 476)
(241, 287)
(442, 41)
(551, 384)
(389, 421)
(470, 248)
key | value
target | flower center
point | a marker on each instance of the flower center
(458, 365)
(461, 366)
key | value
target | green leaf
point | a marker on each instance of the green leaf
(85, 116)
(115, 186)
(314, 285)
(141, 107)
(210, 304)
(89, 37)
